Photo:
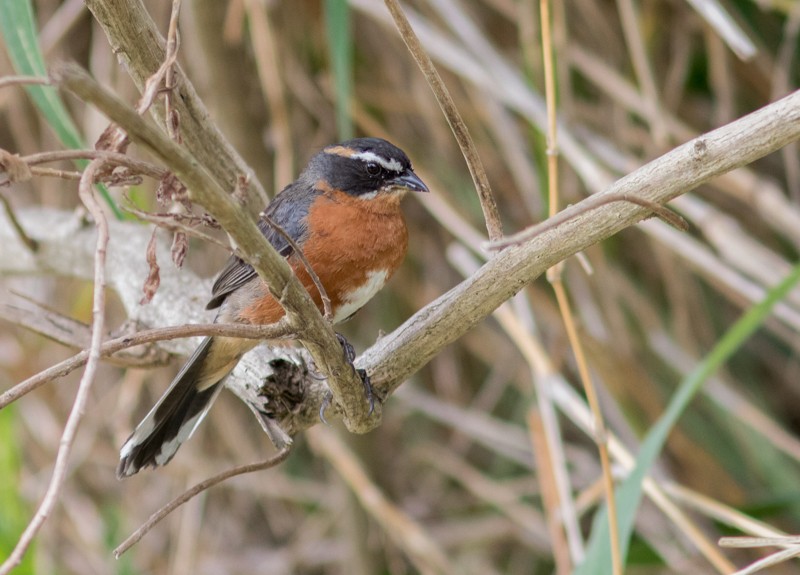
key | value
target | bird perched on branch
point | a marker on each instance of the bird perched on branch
(343, 212)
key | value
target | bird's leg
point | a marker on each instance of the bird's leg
(350, 356)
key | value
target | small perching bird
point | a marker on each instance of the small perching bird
(343, 212)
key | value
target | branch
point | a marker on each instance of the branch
(60, 468)
(23, 81)
(454, 119)
(194, 491)
(108, 348)
(403, 352)
(112, 158)
(310, 328)
(395, 357)
(73, 333)
(29, 244)
(136, 41)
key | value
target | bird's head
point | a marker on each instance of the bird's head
(365, 168)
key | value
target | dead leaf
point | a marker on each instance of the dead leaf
(180, 245)
(153, 280)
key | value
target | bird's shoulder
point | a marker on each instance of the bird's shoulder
(287, 211)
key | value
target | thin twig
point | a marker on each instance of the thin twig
(151, 87)
(173, 222)
(276, 330)
(196, 490)
(587, 205)
(769, 560)
(550, 99)
(326, 301)
(23, 81)
(457, 125)
(30, 243)
(79, 406)
(554, 276)
(138, 166)
(72, 333)
(600, 432)
(126, 24)
(748, 542)
(170, 77)
(114, 137)
(661, 212)
(53, 173)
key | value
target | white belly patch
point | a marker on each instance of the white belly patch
(357, 299)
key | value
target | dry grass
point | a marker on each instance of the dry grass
(448, 483)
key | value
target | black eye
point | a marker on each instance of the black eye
(373, 169)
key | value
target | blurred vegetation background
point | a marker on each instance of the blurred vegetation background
(284, 78)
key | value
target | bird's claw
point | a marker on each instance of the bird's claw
(347, 348)
(326, 403)
(350, 356)
(362, 373)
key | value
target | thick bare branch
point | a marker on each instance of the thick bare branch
(395, 357)
(312, 330)
(136, 41)
(406, 350)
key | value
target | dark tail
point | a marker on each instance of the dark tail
(181, 409)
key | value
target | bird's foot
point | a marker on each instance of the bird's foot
(350, 356)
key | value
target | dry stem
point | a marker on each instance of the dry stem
(274, 331)
(457, 125)
(194, 491)
(50, 498)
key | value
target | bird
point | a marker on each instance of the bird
(343, 213)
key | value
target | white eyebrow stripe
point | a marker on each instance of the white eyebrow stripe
(391, 165)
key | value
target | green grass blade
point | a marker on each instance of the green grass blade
(18, 29)
(19, 33)
(337, 23)
(629, 494)
(13, 514)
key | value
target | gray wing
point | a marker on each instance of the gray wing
(288, 210)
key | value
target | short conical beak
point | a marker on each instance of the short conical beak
(411, 181)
